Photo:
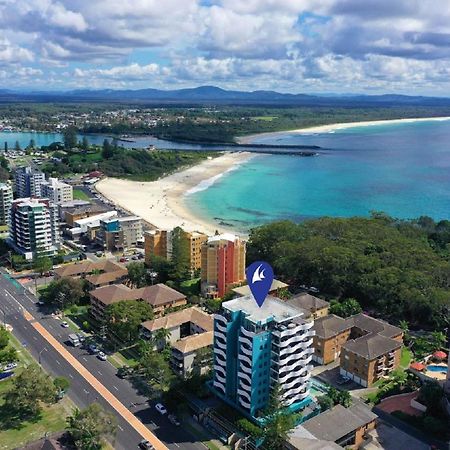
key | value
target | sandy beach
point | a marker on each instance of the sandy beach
(336, 126)
(161, 202)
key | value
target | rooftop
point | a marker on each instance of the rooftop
(329, 326)
(338, 421)
(87, 267)
(245, 290)
(271, 309)
(192, 343)
(223, 237)
(156, 295)
(194, 315)
(372, 345)
(98, 217)
(308, 302)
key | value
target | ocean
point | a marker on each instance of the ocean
(402, 169)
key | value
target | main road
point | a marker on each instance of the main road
(14, 301)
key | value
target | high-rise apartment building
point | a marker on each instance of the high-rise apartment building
(56, 191)
(223, 264)
(28, 182)
(256, 348)
(160, 243)
(34, 227)
(6, 197)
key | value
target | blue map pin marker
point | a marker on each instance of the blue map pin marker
(259, 279)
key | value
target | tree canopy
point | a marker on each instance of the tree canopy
(123, 318)
(397, 269)
(64, 292)
(91, 427)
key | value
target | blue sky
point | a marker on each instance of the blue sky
(366, 46)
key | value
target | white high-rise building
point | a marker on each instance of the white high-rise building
(56, 191)
(6, 197)
(34, 227)
(256, 348)
(28, 182)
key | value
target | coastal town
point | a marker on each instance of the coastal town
(145, 309)
(224, 225)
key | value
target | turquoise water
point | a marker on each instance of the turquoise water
(433, 368)
(401, 169)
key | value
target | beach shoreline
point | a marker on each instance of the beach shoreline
(337, 126)
(161, 202)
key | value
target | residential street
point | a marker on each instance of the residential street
(13, 299)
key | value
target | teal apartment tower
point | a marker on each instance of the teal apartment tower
(256, 348)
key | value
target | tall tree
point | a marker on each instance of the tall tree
(17, 147)
(29, 389)
(156, 370)
(32, 143)
(70, 137)
(180, 255)
(42, 264)
(64, 292)
(137, 273)
(345, 308)
(123, 318)
(107, 149)
(85, 143)
(92, 427)
(8, 354)
(279, 421)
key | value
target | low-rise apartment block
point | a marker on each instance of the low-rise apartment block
(346, 427)
(159, 297)
(367, 348)
(119, 233)
(315, 305)
(190, 330)
(97, 274)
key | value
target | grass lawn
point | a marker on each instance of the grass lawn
(53, 419)
(405, 358)
(78, 194)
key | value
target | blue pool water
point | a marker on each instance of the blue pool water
(401, 169)
(434, 368)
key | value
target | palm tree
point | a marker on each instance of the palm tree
(161, 337)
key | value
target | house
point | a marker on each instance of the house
(190, 330)
(346, 427)
(56, 441)
(315, 305)
(97, 274)
(158, 296)
(367, 348)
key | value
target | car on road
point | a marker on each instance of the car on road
(161, 408)
(101, 356)
(173, 419)
(145, 445)
(9, 367)
(64, 324)
(39, 303)
(93, 349)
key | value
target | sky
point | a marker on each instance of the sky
(299, 46)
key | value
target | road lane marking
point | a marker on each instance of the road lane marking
(84, 358)
(115, 388)
(98, 386)
(71, 376)
(98, 371)
(35, 338)
(57, 362)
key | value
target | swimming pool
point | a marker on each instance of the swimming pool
(435, 368)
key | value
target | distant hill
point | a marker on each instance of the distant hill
(216, 95)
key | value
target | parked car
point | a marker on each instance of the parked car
(343, 380)
(173, 419)
(81, 337)
(145, 445)
(9, 367)
(161, 408)
(101, 356)
(93, 349)
(40, 303)
(123, 372)
(64, 324)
